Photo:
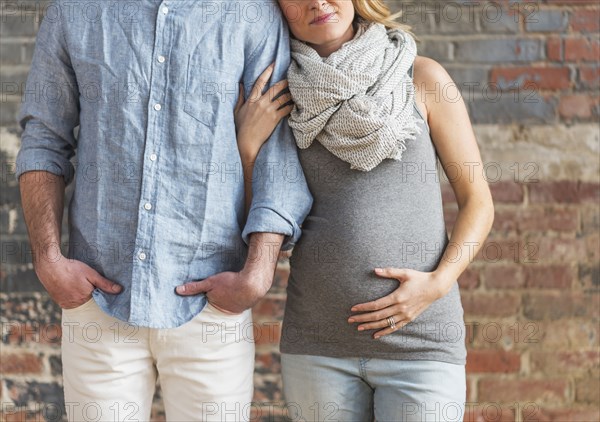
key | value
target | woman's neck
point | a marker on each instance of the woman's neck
(324, 50)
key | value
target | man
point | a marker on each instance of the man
(158, 199)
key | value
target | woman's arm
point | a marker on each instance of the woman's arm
(255, 120)
(456, 146)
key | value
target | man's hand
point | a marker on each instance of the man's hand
(233, 292)
(228, 291)
(70, 282)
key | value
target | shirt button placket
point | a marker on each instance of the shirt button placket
(140, 295)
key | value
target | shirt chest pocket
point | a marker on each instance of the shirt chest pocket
(210, 93)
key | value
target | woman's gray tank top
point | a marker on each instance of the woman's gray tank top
(390, 216)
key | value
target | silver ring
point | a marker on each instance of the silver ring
(391, 322)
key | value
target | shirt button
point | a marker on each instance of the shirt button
(161, 59)
(142, 256)
(157, 107)
(153, 157)
(148, 206)
(165, 10)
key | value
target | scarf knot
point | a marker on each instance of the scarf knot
(358, 101)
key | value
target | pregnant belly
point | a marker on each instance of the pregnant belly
(335, 261)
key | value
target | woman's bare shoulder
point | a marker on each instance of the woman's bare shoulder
(431, 81)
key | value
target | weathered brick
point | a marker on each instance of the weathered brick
(507, 191)
(510, 78)
(22, 280)
(268, 363)
(266, 410)
(541, 249)
(500, 249)
(554, 48)
(267, 332)
(483, 412)
(491, 305)
(11, 220)
(564, 191)
(553, 306)
(592, 245)
(22, 363)
(436, 49)
(31, 332)
(505, 220)
(267, 389)
(493, 361)
(12, 414)
(572, 2)
(590, 218)
(502, 276)
(22, 393)
(564, 362)
(580, 106)
(14, 24)
(547, 218)
(467, 77)
(8, 113)
(564, 334)
(280, 280)
(469, 279)
(537, 390)
(589, 77)
(587, 388)
(269, 307)
(454, 19)
(13, 82)
(585, 20)
(523, 106)
(567, 414)
(494, 19)
(589, 275)
(582, 49)
(10, 53)
(499, 50)
(28, 307)
(551, 276)
(547, 21)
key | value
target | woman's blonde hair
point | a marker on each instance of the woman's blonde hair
(377, 11)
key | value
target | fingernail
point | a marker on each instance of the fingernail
(378, 270)
(180, 289)
(376, 337)
(116, 288)
(353, 309)
(351, 320)
(361, 328)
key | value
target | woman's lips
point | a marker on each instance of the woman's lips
(323, 18)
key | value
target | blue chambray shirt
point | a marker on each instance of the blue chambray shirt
(159, 191)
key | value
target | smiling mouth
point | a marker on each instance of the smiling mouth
(323, 18)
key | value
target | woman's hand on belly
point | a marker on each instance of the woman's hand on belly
(416, 292)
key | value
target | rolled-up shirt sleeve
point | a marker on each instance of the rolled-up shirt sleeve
(281, 198)
(50, 109)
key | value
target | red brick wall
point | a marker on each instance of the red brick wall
(529, 73)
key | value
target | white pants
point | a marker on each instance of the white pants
(110, 367)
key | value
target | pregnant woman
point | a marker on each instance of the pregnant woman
(373, 325)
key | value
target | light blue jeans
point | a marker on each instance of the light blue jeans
(319, 388)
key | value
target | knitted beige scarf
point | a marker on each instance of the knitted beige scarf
(358, 101)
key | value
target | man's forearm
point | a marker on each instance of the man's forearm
(42, 197)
